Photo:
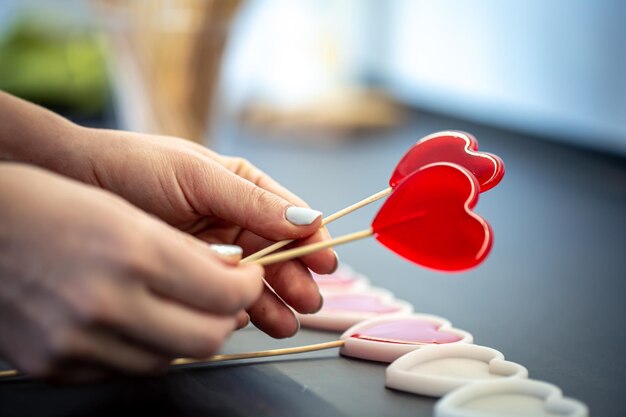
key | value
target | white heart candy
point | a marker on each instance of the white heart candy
(508, 398)
(438, 369)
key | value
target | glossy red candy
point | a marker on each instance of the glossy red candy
(428, 219)
(457, 147)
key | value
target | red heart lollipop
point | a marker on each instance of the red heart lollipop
(428, 219)
(457, 147)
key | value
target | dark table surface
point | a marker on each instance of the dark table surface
(551, 296)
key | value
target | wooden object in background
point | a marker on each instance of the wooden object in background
(166, 60)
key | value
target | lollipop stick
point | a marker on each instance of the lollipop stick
(262, 353)
(9, 373)
(325, 221)
(314, 247)
(233, 356)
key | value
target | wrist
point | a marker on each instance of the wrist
(34, 135)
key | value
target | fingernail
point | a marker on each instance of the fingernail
(232, 252)
(337, 262)
(301, 216)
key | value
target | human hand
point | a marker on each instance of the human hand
(90, 285)
(217, 199)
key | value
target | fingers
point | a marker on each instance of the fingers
(273, 317)
(112, 353)
(193, 274)
(292, 281)
(174, 330)
(322, 262)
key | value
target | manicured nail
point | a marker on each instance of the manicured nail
(232, 252)
(301, 216)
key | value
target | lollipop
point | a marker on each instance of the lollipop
(449, 146)
(427, 220)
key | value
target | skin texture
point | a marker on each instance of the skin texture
(128, 215)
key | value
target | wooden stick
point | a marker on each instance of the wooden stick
(233, 356)
(262, 353)
(9, 373)
(325, 221)
(314, 247)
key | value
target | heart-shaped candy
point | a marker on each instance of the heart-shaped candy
(438, 369)
(428, 219)
(511, 397)
(386, 338)
(343, 280)
(342, 310)
(457, 147)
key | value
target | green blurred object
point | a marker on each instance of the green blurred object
(53, 65)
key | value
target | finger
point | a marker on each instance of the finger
(107, 349)
(325, 261)
(214, 190)
(174, 330)
(193, 274)
(242, 318)
(273, 317)
(292, 281)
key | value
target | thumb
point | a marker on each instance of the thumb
(264, 213)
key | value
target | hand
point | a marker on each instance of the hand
(215, 198)
(91, 285)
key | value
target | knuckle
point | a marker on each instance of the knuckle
(266, 202)
(136, 260)
(240, 165)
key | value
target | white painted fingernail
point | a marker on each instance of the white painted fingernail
(301, 216)
(229, 251)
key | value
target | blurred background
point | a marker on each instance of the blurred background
(555, 70)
